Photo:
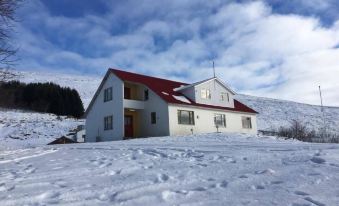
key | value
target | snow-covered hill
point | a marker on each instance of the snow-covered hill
(275, 113)
(85, 85)
(211, 169)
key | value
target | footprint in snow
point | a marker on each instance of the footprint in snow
(168, 195)
(314, 201)
(29, 169)
(4, 187)
(199, 189)
(49, 197)
(267, 171)
(222, 184)
(162, 178)
(258, 187)
(301, 193)
(318, 160)
(277, 182)
(231, 160)
(60, 184)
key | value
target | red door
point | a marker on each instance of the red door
(128, 126)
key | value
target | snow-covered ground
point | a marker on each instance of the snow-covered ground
(22, 129)
(214, 169)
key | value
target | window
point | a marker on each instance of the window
(205, 94)
(246, 122)
(224, 96)
(108, 94)
(127, 93)
(146, 94)
(185, 117)
(220, 120)
(153, 118)
(108, 123)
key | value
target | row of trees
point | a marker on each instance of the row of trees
(41, 97)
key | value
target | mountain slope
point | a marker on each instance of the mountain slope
(274, 113)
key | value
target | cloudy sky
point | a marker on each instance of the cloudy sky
(274, 48)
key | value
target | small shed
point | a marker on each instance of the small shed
(62, 140)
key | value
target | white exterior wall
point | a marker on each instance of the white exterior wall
(101, 109)
(158, 105)
(194, 93)
(205, 122)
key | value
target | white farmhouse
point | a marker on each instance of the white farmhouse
(128, 105)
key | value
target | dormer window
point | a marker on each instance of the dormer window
(205, 94)
(224, 96)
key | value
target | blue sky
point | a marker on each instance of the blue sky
(268, 48)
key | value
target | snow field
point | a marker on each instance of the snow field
(211, 169)
(23, 129)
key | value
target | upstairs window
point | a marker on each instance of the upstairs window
(146, 94)
(153, 118)
(127, 93)
(224, 96)
(108, 94)
(220, 120)
(185, 117)
(108, 123)
(205, 94)
(246, 122)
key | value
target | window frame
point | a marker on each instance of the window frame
(223, 120)
(146, 94)
(108, 126)
(245, 120)
(191, 119)
(224, 96)
(153, 117)
(108, 94)
(206, 92)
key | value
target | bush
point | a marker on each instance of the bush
(41, 97)
(299, 131)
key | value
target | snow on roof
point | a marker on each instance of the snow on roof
(182, 98)
(165, 93)
(181, 87)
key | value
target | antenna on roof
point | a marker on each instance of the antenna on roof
(213, 75)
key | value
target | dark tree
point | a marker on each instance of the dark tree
(7, 17)
(41, 97)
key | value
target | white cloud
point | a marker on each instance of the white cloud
(255, 50)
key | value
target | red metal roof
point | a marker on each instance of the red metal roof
(165, 89)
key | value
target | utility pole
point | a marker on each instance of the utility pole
(213, 70)
(322, 110)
